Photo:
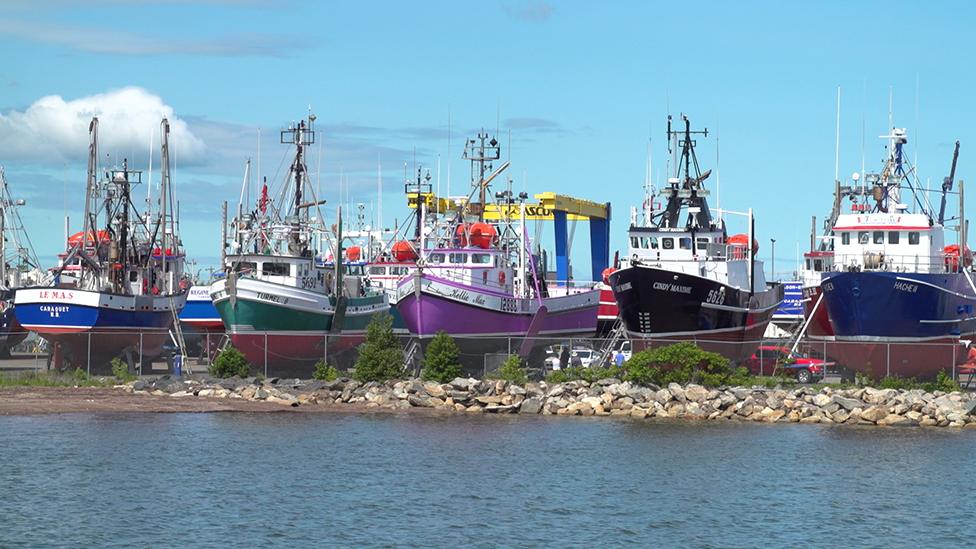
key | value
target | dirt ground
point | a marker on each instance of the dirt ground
(60, 400)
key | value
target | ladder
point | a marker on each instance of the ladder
(176, 334)
(617, 333)
(411, 355)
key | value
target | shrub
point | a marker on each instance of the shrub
(682, 363)
(80, 376)
(121, 370)
(380, 357)
(944, 382)
(228, 363)
(325, 372)
(442, 359)
(512, 370)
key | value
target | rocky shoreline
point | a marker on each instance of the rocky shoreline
(606, 397)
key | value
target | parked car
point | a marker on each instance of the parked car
(770, 358)
(578, 356)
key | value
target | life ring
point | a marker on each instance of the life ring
(501, 277)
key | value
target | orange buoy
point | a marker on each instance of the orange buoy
(742, 240)
(461, 235)
(103, 238)
(403, 251)
(606, 274)
(952, 257)
(353, 253)
(501, 277)
(483, 235)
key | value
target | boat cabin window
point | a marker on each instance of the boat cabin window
(913, 237)
(275, 269)
(436, 259)
(354, 270)
(879, 237)
(685, 243)
(845, 238)
(133, 276)
(634, 242)
(818, 265)
(863, 237)
(667, 243)
(644, 243)
(458, 258)
(245, 267)
(374, 270)
(398, 270)
(653, 241)
(481, 259)
(702, 242)
(892, 237)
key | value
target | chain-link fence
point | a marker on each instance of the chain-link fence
(295, 354)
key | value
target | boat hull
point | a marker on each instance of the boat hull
(288, 329)
(482, 321)
(659, 307)
(899, 324)
(94, 327)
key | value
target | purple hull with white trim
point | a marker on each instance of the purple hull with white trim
(483, 320)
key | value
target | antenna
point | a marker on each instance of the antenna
(449, 153)
(837, 141)
(379, 194)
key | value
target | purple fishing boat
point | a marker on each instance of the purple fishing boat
(480, 283)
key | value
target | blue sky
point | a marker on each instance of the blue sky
(581, 86)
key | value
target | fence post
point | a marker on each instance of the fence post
(325, 349)
(953, 361)
(139, 363)
(265, 355)
(88, 358)
(888, 359)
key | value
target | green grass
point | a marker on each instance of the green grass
(77, 378)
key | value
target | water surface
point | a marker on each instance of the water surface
(209, 480)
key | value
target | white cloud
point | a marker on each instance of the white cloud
(52, 130)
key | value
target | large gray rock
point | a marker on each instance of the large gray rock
(696, 393)
(421, 401)
(464, 384)
(663, 396)
(848, 403)
(875, 413)
(531, 405)
(677, 391)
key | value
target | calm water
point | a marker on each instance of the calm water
(165, 480)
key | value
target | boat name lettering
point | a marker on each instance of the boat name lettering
(200, 292)
(828, 286)
(54, 310)
(55, 294)
(906, 287)
(274, 298)
(624, 287)
(672, 288)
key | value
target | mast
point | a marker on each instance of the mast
(947, 184)
(90, 188)
(164, 198)
(301, 135)
(685, 189)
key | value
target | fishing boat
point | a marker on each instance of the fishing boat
(478, 282)
(123, 293)
(19, 266)
(282, 303)
(684, 278)
(899, 297)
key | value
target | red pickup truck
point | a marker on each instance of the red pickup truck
(768, 358)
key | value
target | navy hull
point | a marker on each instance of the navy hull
(659, 306)
(904, 324)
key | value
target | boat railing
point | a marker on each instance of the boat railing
(880, 261)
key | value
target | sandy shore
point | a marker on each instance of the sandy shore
(60, 400)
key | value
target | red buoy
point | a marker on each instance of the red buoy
(403, 251)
